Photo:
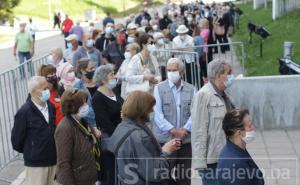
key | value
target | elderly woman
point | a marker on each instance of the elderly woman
(78, 150)
(86, 69)
(234, 157)
(131, 50)
(67, 76)
(134, 144)
(56, 90)
(143, 69)
(107, 106)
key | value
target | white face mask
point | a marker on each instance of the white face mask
(89, 43)
(127, 55)
(83, 111)
(160, 41)
(174, 76)
(150, 47)
(249, 137)
(50, 60)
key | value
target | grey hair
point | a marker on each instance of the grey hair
(33, 82)
(59, 52)
(101, 73)
(215, 67)
(176, 61)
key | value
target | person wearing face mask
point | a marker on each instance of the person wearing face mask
(56, 89)
(85, 69)
(172, 116)
(208, 109)
(106, 38)
(33, 133)
(78, 149)
(131, 50)
(67, 77)
(183, 40)
(131, 31)
(234, 157)
(72, 47)
(107, 106)
(87, 51)
(162, 57)
(143, 69)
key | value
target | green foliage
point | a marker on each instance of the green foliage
(283, 29)
(6, 7)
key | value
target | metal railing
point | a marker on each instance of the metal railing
(13, 94)
(189, 58)
(232, 53)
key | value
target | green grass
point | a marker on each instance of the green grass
(283, 29)
(75, 8)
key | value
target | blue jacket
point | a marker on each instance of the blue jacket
(33, 136)
(237, 163)
(90, 118)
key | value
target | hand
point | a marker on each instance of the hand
(149, 78)
(171, 146)
(97, 132)
(31, 53)
(180, 133)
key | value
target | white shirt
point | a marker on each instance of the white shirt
(163, 124)
(44, 110)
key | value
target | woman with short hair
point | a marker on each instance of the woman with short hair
(136, 148)
(235, 162)
(56, 89)
(107, 107)
(78, 150)
(131, 50)
(85, 69)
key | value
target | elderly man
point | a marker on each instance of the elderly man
(57, 60)
(172, 117)
(33, 134)
(209, 107)
(185, 42)
(73, 45)
(24, 46)
(87, 51)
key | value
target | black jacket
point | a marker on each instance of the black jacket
(33, 136)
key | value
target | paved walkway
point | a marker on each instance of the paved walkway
(277, 153)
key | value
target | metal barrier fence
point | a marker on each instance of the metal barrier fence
(197, 57)
(189, 58)
(13, 94)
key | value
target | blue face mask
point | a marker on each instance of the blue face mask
(69, 45)
(112, 83)
(45, 95)
(229, 81)
(130, 39)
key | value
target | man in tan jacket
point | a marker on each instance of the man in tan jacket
(209, 107)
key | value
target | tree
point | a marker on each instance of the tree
(6, 7)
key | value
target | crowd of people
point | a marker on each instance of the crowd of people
(109, 110)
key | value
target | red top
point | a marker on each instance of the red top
(67, 24)
(56, 102)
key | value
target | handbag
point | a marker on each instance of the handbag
(144, 86)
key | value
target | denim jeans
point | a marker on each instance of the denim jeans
(23, 56)
(209, 175)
